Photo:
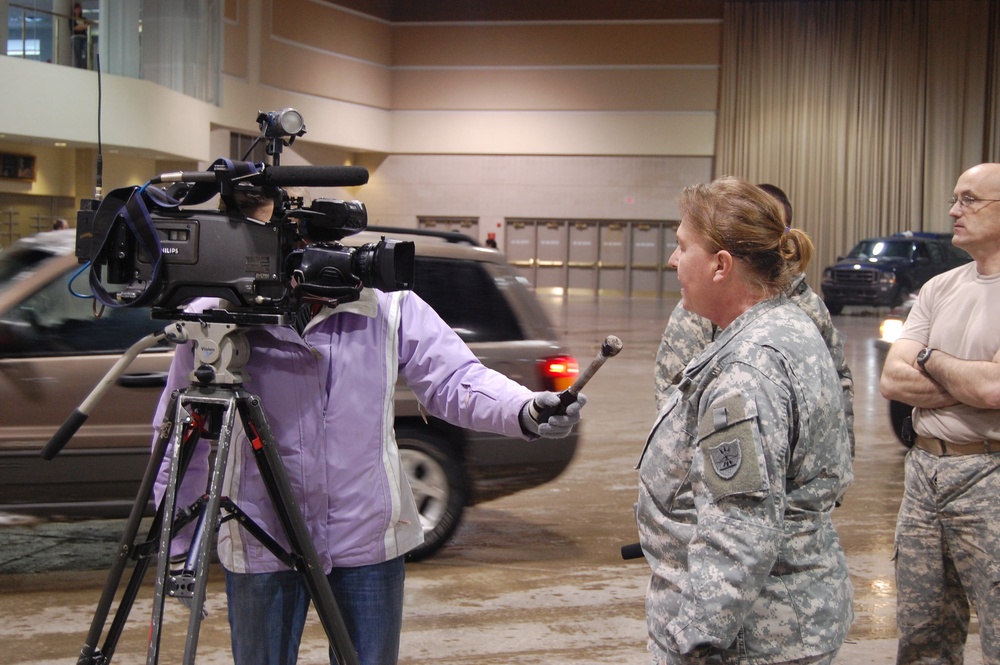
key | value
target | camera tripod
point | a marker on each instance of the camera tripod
(207, 408)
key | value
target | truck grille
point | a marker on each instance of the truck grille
(855, 276)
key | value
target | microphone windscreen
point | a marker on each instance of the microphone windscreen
(313, 176)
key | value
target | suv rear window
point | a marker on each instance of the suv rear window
(956, 254)
(20, 260)
(467, 298)
(54, 322)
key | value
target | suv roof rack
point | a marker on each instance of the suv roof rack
(450, 236)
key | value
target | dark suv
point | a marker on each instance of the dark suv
(883, 271)
(53, 351)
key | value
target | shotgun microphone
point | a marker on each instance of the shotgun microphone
(278, 176)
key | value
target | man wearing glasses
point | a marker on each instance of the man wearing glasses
(947, 364)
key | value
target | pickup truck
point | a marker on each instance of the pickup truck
(883, 271)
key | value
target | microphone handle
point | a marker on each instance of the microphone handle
(542, 414)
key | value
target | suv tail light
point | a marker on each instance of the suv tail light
(558, 372)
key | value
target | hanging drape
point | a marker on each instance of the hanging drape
(181, 46)
(864, 111)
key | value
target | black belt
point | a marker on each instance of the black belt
(943, 448)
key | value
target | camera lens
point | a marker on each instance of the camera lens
(386, 265)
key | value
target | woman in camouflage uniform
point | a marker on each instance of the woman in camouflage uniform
(687, 334)
(747, 460)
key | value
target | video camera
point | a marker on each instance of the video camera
(147, 247)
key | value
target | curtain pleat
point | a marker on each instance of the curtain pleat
(864, 111)
(182, 46)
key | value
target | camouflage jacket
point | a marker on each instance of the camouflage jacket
(737, 483)
(687, 334)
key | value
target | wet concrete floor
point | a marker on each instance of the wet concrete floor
(535, 578)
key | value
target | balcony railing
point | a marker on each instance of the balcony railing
(149, 39)
(47, 36)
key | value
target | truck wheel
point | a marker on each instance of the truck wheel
(439, 486)
(834, 306)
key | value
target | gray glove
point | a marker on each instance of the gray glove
(556, 426)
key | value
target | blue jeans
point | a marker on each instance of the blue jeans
(267, 612)
(79, 43)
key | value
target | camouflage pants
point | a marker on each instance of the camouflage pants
(948, 555)
(661, 657)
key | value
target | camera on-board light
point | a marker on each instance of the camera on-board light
(283, 124)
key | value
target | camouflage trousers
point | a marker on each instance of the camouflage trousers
(718, 657)
(948, 557)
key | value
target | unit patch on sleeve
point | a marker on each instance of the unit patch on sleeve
(726, 458)
(731, 449)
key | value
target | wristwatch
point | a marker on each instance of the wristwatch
(923, 357)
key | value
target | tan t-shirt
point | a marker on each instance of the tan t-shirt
(957, 313)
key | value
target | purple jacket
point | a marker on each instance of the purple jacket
(328, 397)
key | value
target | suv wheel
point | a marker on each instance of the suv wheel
(834, 306)
(439, 486)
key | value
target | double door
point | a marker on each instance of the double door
(626, 257)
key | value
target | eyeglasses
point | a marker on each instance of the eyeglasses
(964, 201)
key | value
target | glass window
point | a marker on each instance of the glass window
(245, 148)
(466, 297)
(15, 263)
(936, 252)
(54, 322)
(958, 255)
(870, 249)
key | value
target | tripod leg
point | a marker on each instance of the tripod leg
(167, 510)
(191, 583)
(273, 473)
(207, 528)
(89, 653)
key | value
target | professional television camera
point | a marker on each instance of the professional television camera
(147, 247)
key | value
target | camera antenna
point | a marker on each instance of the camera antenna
(99, 186)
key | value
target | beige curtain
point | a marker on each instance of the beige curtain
(864, 111)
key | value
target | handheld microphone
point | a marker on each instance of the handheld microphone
(609, 348)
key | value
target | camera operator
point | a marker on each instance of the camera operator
(328, 396)
(251, 202)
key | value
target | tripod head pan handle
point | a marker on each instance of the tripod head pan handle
(64, 434)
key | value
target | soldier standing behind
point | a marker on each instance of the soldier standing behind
(748, 457)
(687, 334)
